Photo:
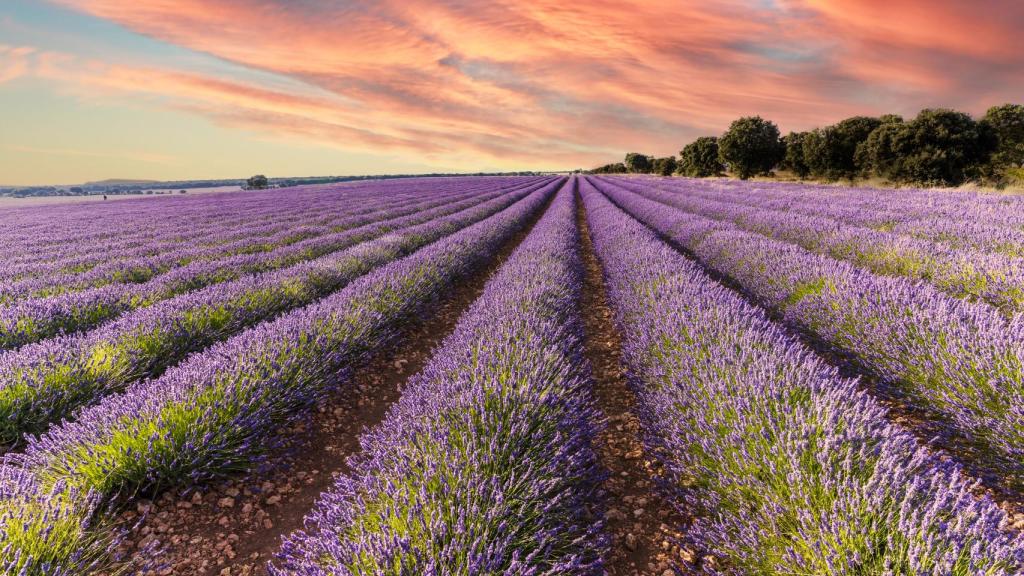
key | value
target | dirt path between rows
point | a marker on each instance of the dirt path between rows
(234, 528)
(644, 528)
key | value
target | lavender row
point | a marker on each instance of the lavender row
(96, 224)
(890, 206)
(223, 225)
(998, 230)
(158, 258)
(993, 278)
(45, 382)
(962, 361)
(219, 412)
(789, 468)
(997, 227)
(54, 226)
(198, 242)
(35, 319)
(125, 268)
(485, 465)
(69, 233)
(294, 218)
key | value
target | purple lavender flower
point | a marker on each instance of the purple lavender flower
(791, 469)
(484, 466)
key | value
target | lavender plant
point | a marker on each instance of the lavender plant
(963, 273)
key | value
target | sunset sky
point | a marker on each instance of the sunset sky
(177, 89)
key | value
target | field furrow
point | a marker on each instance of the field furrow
(645, 527)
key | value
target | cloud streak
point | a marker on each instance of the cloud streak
(545, 83)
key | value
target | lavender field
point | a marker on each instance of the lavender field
(528, 375)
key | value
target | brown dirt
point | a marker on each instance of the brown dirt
(234, 528)
(644, 528)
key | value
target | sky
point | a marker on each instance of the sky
(183, 89)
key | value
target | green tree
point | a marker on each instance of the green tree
(880, 153)
(831, 152)
(638, 163)
(1007, 123)
(938, 147)
(257, 182)
(664, 166)
(793, 160)
(700, 158)
(751, 146)
(615, 168)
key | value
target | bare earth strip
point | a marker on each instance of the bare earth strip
(643, 526)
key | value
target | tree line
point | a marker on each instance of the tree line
(938, 147)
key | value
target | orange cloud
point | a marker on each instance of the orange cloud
(542, 81)
(14, 61)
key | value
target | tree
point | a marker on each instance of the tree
(638, 163)
(879, 154)
(1007, 123)
(700, 158)
(664, 166)
(938, 147)
(751, 146)
(794, 160)
(830, 152)
(257, 182)
(615, 168)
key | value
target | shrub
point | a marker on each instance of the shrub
(1007, 124)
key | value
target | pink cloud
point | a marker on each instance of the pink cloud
(545, 81)
(15, 61)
